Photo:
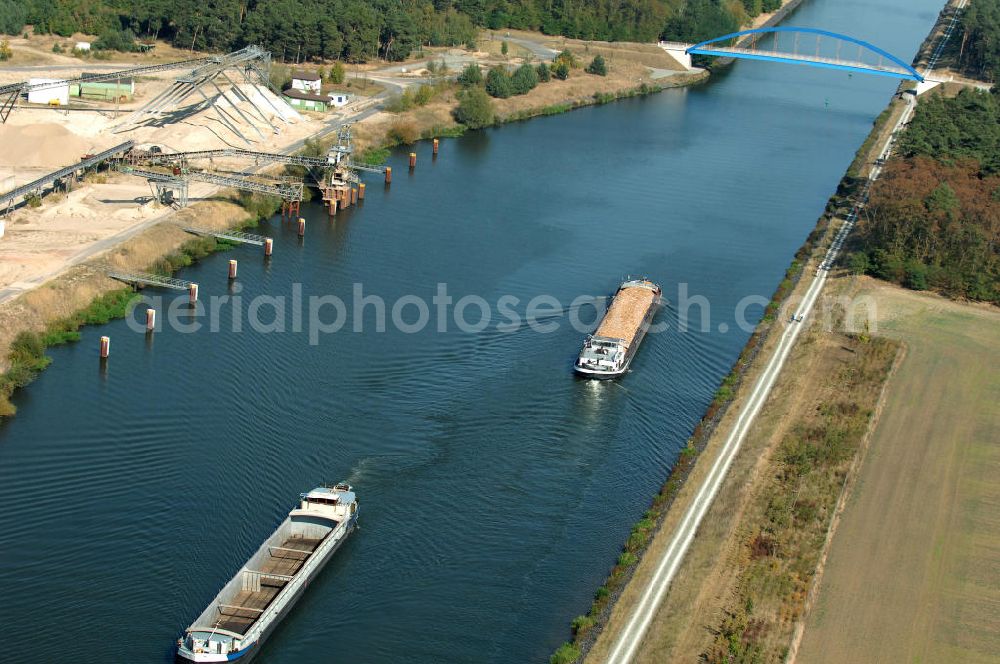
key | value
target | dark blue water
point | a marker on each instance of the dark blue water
(496, 489)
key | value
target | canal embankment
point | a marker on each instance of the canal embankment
(730, 569)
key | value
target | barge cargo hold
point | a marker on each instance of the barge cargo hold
(608, 352)
(254, 601)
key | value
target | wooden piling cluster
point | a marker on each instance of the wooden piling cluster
(290, 209)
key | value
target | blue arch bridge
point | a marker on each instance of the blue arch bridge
(801, 46)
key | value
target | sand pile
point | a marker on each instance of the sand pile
(626, 313)
(42, 144)
(275, 108)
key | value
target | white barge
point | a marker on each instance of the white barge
(254, 601)
(608, 352)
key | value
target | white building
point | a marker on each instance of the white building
(339, 99)
(54, 94)
(307, 82)
(82, 46)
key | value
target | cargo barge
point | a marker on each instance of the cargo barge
(248, 608)
(608, 352)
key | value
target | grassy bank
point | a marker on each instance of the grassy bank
(784, 526)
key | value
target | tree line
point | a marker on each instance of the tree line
(933, 219)
(361, 30)
(979, 46)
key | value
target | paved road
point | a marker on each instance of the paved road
(541, 52)
(638, 622)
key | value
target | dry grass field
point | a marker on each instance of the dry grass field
(913, 574)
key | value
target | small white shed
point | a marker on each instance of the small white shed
(57, 93)
(339, 99)
(82, 46)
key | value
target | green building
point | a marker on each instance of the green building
(307, 101)
(122, 89)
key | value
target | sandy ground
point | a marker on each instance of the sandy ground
(914, 571)
(40, 241)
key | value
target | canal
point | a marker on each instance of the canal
(496, 490)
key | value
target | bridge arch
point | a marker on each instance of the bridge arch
(906, 70)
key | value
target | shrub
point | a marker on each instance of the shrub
(581, 624)
(28, 351)
(566, 654)
(470, 76)
(475, 109)
(5, 52)
(56, 48)
(423, 95)
(916, 275)
(373, 156)
(402, 133)
(568, 58)
(413, 97)
(561, 71)
(627, 559)
(260, 206)
(498, 83)
(337, 73)
(400, 103)
(544, 75)
(525, 79)
(116, 40)
(858, 263)
(504, 48)
(597, 66)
